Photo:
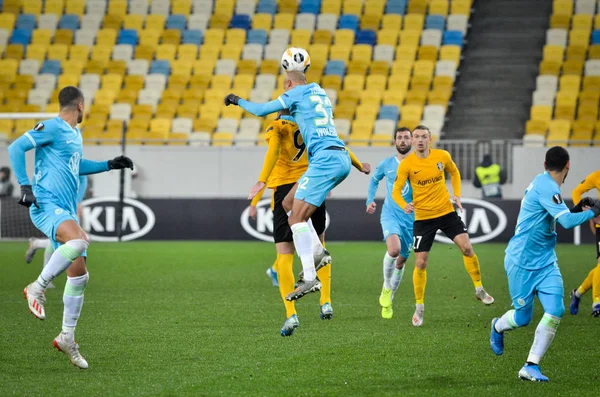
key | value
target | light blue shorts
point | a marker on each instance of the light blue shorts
(391, 225)
(524, 285)
(326, 170)
(49, 217)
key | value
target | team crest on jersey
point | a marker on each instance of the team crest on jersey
(440, 166)
(38, 127)
(557, 199)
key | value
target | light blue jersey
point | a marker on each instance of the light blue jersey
(388, 168)
(83, 184)
(532, 246)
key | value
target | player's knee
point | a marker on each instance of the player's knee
(421, 263)
(394, 252)
(523, 317)
(467, 250)
(79, 245)
(558, 310)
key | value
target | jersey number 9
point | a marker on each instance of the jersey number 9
(323, 108)
(298, 144)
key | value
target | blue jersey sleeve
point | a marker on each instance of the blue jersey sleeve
(38, 136)
(261, 109)
(292, 97)
(88, 167)
(83, 182)
(374, 182)
(551, 200)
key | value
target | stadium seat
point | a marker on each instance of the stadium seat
(348, 22)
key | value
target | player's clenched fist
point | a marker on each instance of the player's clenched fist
(27, 198)
(371, 208)
(120, 162)
(232, 99)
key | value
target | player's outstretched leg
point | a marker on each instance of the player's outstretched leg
(419, 283)
(471, 262)
(510, 320)
(324, 275)
(385, 299)
(34, 245)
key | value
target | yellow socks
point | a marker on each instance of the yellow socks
(324, 275)
(275, 263)
(419, 281)
(472, 267)
(596, 285)
(587, 283)
(285, 275)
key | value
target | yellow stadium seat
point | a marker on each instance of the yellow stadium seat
(591, 83)
(221, 82)
(231, 51)
(559, 130)
(243, 82)
(76, 7)
(560, 22)
(362, 52)
(232, 112)
(58, 52)
(166, 52)
(106, 37)
(200, 81)
(73, 66)
(594, 51)
(63, 36)
(105, 97)
(155, 22)
(428, 53)
(358, 66)
(331, 7)
(210, 52)
(376, 82)
(569, 83)
(414, 23)
(388, 37)
(284, 21)
(171, 36)
(438, 7)
(181, 7)
(214, 36)
(443, 82)
(381, 140)
(127, 96)
(583, 131)
(572, 67)
(410, 38)
(424, 68)
(182, 66)
(411, 112)
(6, 126)
(41, 36)
(101, 53)
(562, 7)
(398, 82)
(7, 21)
(541, 113)
(149, 37)
(112, 22)
(300, 38)
(79, 52)
(142, 113)
(270, 66)
(417, 6)
(567, 98)
(460, 7)
(450, 53)
(564, 112)
(416, 97)
(371, 97)
(582, 22)
(322, 37)
(380, 68)
(553, 53)
(189, 111)
(579, 38)
(160, 125)
(366, 112)
(235, 36)
(421, 83)
(406, 53)
(144, 52)
(112, 82)
(344, 37)
(14, 51)
(25, 82)
(402, 69)
(391, 22)
(362, 127)
(536, 127)
(36, 51)
(576, 53)
(597, 21)
(353, 7)
(332, 81)
(339, 52)
(132, 21)
(117, 7)
(318, 52)
(288, 6)
(550, 68)
(187, 52)
(354, 82)
(116, 67)
(246, 66)
(262, 21)
(12, 6)
(370, 22)
(222, 139)
(179, 82)
(96, 66)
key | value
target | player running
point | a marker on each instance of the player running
(531, 264)
(285, 162)
(328, 164)
(592, 181)
(52, 204)
(396, 225)
(424, 169)
(44, 243)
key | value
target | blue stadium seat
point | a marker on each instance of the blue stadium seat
(21, 36)
(266, 7)
(335, 67)
(160, 67)
(240, 21)
(25, 22)
(366, 37)
(596, 37)
(389, 112)
(453, 37)
(176, 22)
(257, 36)
(435, 22)
(395, 7)
(192, 36)
(310, 6)
(348, 22)
(128, 36)
(51, 67)
(69, 21)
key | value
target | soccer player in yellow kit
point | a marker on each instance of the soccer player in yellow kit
(424, 169)
(285, 162)
(592, 181)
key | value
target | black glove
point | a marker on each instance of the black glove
(232, 99)
(27, 198)
(119, 163)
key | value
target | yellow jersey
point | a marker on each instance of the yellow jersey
(592, 181)
(431, 199)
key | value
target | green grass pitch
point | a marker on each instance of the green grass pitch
(201, 318)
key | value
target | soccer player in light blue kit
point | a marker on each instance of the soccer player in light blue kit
(397, 226)
(52, 204)
(531, 264)
(328, 164)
